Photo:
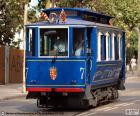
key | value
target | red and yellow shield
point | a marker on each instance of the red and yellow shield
(53, 73)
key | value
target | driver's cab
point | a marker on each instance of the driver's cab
(60, 42)
(67, 49)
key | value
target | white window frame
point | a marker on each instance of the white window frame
(107, 46)
(99, 46)
(113, 47)
(52, 27)
(119, 38)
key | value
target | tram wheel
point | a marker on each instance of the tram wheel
(77, 103)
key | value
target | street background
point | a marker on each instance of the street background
(13, 100)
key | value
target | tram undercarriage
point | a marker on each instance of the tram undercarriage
(75, 100)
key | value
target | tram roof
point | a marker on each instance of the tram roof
(71, 22)
(79, 11)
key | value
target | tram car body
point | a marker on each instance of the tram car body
(76, 59)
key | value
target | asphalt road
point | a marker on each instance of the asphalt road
(127, 104)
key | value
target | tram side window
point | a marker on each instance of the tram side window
(53, 42)
(103, 47)
(31, 42)
(108, 46)
(78, 42)
(120, 46)
(88, 47)
(116, 48)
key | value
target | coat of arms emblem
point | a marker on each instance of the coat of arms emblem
(53, 73)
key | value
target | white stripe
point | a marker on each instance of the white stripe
(107, 46)
(128, 104)
(82, 114)
(90, 114)
(99, 46)
(111, 109)
(113, 47)
(103, 109)
(120, 104)
(86, 113)
(137, 100)
(119, 38)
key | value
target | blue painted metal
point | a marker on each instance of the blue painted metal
(103, 47)
(85, 40)
(123, 56)
(27, 42)
(70, 41)
(116, 48)
(70, 71)
(93, 53)
(110, 46)
(69, 21)
(106, 72)
(36, 42)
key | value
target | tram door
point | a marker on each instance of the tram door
(83, 39)
(89, 53)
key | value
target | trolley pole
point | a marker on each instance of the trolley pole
(24, 44)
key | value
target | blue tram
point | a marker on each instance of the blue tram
(75, 58)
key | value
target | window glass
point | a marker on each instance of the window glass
(53, 42)
(88, 41)
(103, 47)
(31, 42)
(116, 48)
(78, 42)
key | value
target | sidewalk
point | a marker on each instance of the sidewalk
(132, 75)
(11, 91)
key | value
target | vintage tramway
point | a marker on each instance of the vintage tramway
(75, 58)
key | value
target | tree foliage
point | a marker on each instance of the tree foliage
(33, 14)
(11, 19)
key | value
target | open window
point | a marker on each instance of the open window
(53, 42)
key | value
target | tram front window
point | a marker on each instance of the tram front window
(53, 42)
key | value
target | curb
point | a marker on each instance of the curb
(12, 97)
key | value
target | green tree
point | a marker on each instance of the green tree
(127, 16)
(33, 14)
(11, 19)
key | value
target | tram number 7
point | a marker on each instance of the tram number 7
(82, 74)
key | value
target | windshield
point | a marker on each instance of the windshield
(53, 42)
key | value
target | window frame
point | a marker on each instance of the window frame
(83, 44)
(27, 43)
(52, 27)
(114, 54)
